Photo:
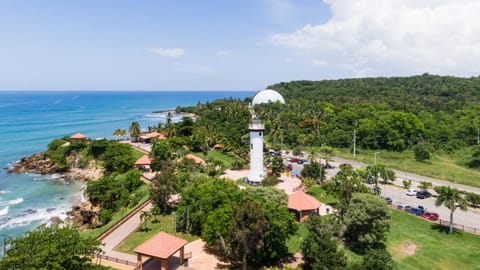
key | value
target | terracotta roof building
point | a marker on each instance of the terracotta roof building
(196, 159)
(303, 204)
(78, 136)
(161, 246)
(147, 137)
(144, 163)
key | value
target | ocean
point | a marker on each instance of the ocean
(30, 120)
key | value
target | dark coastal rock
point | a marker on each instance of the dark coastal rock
(85, 216)
(55, 220)
(37, 163)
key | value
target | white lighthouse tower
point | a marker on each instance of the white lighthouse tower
(257, 170)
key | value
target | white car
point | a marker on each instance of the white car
(411, 192)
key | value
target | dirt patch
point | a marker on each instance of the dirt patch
(404, 249)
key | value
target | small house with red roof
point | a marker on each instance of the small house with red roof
(148, 137)
(303, 205)
(195, 159)
(144, 163)
(78, 137)
(160, 248)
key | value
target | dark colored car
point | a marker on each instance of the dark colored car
(423, 194)
(420, 210)
(431, 216)
(407, 208)
(388, 200)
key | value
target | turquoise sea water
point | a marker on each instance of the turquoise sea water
(30, 120)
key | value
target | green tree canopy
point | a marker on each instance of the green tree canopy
(54, 247)
(320, 249)
(367, 220)
(118, 158)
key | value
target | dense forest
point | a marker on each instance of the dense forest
(438, 112)
(388, 113)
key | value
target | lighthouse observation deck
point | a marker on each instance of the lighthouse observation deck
(256, 125)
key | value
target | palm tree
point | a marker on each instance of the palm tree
(450, 198)
(156, 211)
(144, 217)
(134, 131)
(119, 132)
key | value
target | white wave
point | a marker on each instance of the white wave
(4, 191)
(11, 202)
(155, 115)
(38, 216)
(4, 211)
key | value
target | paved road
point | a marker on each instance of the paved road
(416, 179)
(471, 217)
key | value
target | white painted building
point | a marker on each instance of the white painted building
(257, 170)
(257, 129)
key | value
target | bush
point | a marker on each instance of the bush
(270, 180)
(105, 216)
(473, 199)
(421, 152)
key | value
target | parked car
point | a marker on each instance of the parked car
(403, 206)
(411, 192)
(431, 216)
(423, 194)
(388, 200)
(420, 210)
(302, 161)
(294, 160)
(407, 208)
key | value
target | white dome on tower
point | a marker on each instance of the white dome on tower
(266, 96)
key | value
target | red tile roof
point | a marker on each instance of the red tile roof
(196, 159)
(301, 201)
(162, 245)
(152, 135)
(145, 160)
(78, 136)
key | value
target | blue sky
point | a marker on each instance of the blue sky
(229, 44)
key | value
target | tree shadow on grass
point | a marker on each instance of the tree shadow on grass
(444, 229)
(143, 229)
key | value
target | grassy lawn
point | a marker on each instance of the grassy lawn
(294, 242)
(440, 166)
(137, 153)
(413, 242)
(322, 195)
(165, 223)
(226, 159)
(94, 233)
(435, 249)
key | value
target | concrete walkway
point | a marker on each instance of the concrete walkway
(113, 239)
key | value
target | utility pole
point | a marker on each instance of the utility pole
(375, 158)
(355, 140)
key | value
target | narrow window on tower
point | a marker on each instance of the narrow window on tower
(251, 146)
(259, 133)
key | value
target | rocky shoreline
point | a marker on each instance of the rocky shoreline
(83, 215)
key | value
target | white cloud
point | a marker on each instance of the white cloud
(319, 62)
(223, 53)
(168, 52)
(393, 37)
